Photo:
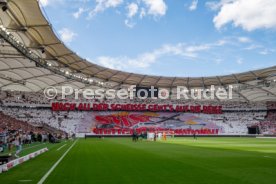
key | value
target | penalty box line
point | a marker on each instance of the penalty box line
(56, 164)
(61, 147)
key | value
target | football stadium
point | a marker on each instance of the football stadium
(86, 107)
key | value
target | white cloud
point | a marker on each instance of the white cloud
(139, 8)
(197, 48)
(67, 35)
(122, 63)
(145, 60)
(102, 5)
(239, 61)
(132, 9)
(129, 23)
(215, 5)
(244, 39)
(267, 51)
(250, 15)
(222, 42)
(193, 5)
(264, 52)
(78, 13)
(156, 7)
(45, 3)
(253, 46)
(142, 13)
(218, 61)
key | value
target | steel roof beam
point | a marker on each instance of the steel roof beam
(237, 92)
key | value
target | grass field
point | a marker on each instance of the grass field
(175, 161)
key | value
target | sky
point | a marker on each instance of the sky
(183, 38)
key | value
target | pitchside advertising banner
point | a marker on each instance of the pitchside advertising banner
(124, 123)
(20, 160)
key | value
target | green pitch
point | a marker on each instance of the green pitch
(175, 161)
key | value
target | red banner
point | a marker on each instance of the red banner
(126, 131)
(206, 109)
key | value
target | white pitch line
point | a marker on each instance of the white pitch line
(268, 157)
(55, 165)
(61, 147)
(23, 181)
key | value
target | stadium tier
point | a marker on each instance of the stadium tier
(234, 118)
(183, 129)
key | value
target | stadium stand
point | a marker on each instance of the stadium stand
(237, 116)
(32, 58)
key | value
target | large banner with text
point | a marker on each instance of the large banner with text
(124, 123)
(206, 109)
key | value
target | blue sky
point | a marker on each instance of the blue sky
(169, 37)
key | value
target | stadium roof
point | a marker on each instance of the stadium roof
(25, 20)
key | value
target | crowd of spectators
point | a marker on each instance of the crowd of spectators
(63, 120)
(26, 98)
(237, 122)
(15, 133)
(268, 126)
(38, 99)
(30, 107)
(70, 121)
